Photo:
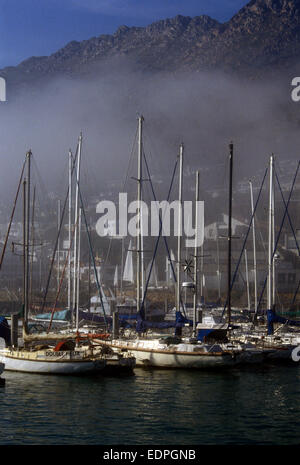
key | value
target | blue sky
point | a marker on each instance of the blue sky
(40, 27)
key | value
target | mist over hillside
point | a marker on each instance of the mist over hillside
(205, 111)
(194, 80)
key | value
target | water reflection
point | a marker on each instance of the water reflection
(255, 406)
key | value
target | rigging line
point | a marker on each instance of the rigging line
(123, 188)
(289, 218)
(12, 215)
(288, 215)
(293, 231)
(280, 229)
(131, 157)
(40, 179)
(154, 196)
(160, 231)
(258, 229)
(32, 242)
(38, 204)
(245, 240)
(148, 142)
(57, 237)
(92, 255)
(59, 180)
(62, 277)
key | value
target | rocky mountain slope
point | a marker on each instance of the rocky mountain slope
(263, 36)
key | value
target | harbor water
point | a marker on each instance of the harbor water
(249, 406)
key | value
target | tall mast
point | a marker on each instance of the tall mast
(76, 220)
(179, 229)
(89, 277)
(270, 241)
(196, 255)
(273, 241)
(142, 236)
(254, 249)
(229, 234)
(58, 243)
(24, 257)
(32, 243)
(26, 241)
(70, 226)
(122, 267)
(247, 280)
(78, 272)
(218, 259)
(139, 181)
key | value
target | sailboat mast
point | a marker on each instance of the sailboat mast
(142, 244)
(76, 220)
(270, 241)
(26, 241)
(70, 226)
(139, 181)
(58, 243)
(122, 267)
(273, 241)
(196, 256)
(247, 280)
(32, 242)
(24, 257)
(229, 234)
(179, 229)
(218, 258)
(254, 248)
(78, 272)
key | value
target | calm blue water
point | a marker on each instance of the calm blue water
(241, 406)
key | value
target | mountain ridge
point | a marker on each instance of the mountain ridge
(262, 36)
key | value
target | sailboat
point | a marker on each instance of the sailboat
(167, 351)
(51, 353)
(274, 346)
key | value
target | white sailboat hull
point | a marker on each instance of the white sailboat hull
(183, 360)
(49, 362)
(154, 354)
